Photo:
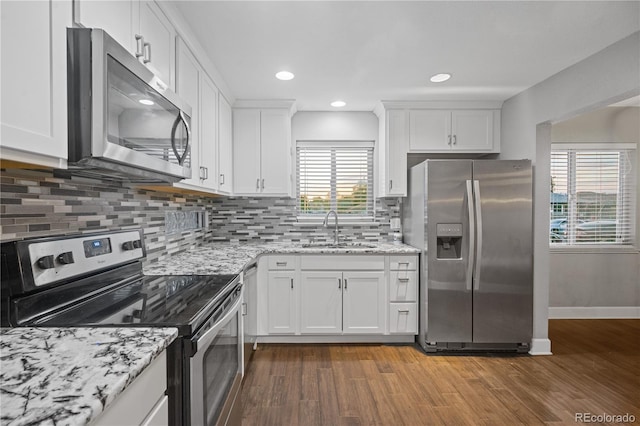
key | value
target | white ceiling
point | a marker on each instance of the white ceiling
(365, 51)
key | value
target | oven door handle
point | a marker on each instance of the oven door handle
(206, 339)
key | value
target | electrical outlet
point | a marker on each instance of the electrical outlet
(395, 223)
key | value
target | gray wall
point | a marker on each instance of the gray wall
(596, 283)
(608, 76)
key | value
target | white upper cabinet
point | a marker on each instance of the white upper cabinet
(225, 146)
(208, 133)
(139, 26)
(188, 88)
(246, 151)
(159, 42)
(472, 130)
(429, 128)
(392, 153)
(262, 151)
(199, 91)
(34, 81)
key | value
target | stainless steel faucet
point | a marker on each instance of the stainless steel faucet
(326, 222)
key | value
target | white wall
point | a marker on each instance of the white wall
(318, 125)
(608, 76)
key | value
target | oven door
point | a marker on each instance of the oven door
(216, 370)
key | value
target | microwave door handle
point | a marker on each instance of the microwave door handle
(180, 157)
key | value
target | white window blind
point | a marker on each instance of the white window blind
(335, 176)
(592, 195)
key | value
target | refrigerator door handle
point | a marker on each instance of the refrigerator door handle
(472, 235)
(476, 275)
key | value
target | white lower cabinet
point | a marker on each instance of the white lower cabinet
(403, 318)
(403, 294)
(335, 302)
(346, 297)
(143, 402)
(321, 302)
(281, 302)
(363, 302)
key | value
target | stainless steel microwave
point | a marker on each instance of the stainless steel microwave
(124, 123)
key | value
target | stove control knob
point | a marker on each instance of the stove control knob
(45, 262)
(66, 258)
(137, 313)
(131, 245)
(127, 319)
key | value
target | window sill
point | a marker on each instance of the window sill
(612, 249)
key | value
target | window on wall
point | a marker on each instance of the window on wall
(335, 176)
(593, 194)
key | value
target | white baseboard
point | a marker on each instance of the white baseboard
(339, 338)
(594, 312)
(540, 347)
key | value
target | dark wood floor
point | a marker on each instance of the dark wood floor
(595, 369)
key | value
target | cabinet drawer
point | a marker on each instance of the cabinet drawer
(403, 286)
(403, 263)
(403, 318)
(281, 263)
(345, 262)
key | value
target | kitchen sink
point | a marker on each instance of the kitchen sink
(337, 246)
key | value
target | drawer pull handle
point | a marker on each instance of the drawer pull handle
(403, 311)
(404, 280)
(291, 283)
(339, 283)
(281, 263)
(403, 263)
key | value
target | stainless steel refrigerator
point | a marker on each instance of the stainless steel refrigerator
(472, 219)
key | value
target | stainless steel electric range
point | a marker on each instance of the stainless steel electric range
(97, 281)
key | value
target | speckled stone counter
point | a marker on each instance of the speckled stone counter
(67, 376)
(230, 258)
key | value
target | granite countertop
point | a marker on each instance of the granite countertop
(232, 258)
(67, 376)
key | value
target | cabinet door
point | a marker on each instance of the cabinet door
(364, 302)
(208, 133)
(160, 34)
(275, 150)
(188, 87)
(281, 302)
(225, 147)
(321, 302)
(396, 153)
(119, 19)
(34, 112)
(429, 130)
(246, 151)
(472, 130)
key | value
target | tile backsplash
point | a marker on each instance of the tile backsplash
(36, 203)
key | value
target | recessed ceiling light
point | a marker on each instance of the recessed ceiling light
(338, 104)
(284, 75)
(146, 101)
(439, 78)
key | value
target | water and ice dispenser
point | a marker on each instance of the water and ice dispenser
(449, 241)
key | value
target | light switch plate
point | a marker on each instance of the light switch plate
(395, 223)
